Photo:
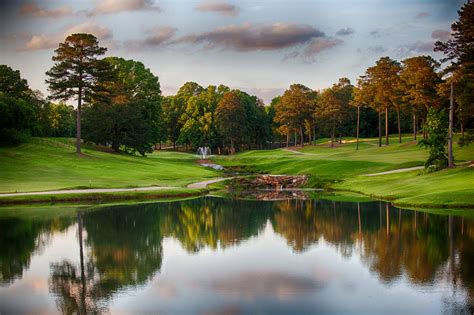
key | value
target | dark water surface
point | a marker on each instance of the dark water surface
(219, 256)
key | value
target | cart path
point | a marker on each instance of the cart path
(202, 184)
(208, 182)
(85, 191)
(400, 170)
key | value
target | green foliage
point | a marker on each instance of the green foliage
(436, 127)
(419, 82)
(17, 113)
(17, 119)
(231, 116)
(295, 107)
(11, 82)
(130, 119)
(460, 49)
(333, 106)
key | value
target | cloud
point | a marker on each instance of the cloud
(345, 31)
(33, 9)
(417, 47)
(116, 6)
(159, 35)
(248, 37)
(422, 15)
(219, 7)
(50, 41)
(441, 35)
(100, 32)
(317, 46)
(377, 49)
(378, 33)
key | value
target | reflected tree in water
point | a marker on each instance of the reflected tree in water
(20, 239)
(122, 246)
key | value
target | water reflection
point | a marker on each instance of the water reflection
(120, 250)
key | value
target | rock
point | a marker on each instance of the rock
(273, 182)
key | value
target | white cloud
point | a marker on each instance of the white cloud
(50, 41)
(116, 6)
(33, 9)
(218, 6)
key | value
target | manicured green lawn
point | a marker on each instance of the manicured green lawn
(445, 188)
(341, 167)
(50, 164)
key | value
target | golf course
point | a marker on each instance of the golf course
(49, 164)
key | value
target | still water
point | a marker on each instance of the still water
(222, 256)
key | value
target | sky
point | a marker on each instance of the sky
(259, 46)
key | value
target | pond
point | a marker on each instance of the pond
(224, 256)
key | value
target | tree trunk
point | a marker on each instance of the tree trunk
(386, 126)
(358, 126)
(309, 135)
(302, 136)
(462, 130)
(78, 122)
(295, 136)
(451, 121)
(423, 124)
(333, 131)
(399, 129)
(174, 145)
(288, 138)
(314, 134)
(414, 124)
(380, 129)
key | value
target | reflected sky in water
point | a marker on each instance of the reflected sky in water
(218, 256)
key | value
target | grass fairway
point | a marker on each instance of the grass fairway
(446, 188)
(50, 164)
(342, 168)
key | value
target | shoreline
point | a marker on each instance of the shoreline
(193, 190)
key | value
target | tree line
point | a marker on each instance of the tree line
(120, 105)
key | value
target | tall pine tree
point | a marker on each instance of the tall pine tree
(76, 73)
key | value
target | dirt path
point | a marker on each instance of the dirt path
(84, 191)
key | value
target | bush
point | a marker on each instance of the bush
(437, 130)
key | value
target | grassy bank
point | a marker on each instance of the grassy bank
(50, 164)
(342, 168)
(173, 193)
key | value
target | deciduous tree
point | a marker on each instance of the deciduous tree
(231, 116)
(295, 108)
(419, 81)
